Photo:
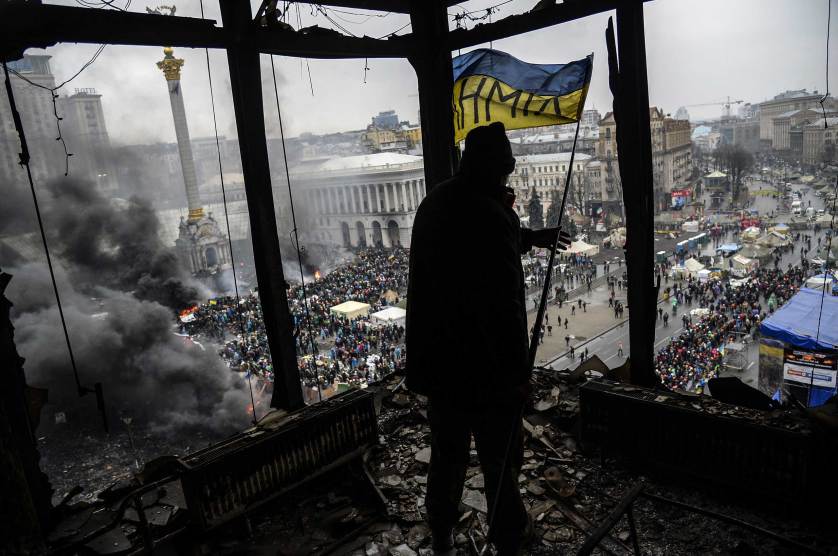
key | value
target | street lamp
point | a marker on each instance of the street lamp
(127, 422)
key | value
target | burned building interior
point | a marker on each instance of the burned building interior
(608, 465)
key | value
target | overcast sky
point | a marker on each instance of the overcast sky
(699, 51)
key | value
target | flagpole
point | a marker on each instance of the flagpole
(542, 306)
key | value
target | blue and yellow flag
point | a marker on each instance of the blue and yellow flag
(492, 86)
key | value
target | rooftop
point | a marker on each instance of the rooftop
(359, 162)
(551, 157)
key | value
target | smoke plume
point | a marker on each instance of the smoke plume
(120, 289)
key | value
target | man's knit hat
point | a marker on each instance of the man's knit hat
(487, 151)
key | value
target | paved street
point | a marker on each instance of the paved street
(597, 330)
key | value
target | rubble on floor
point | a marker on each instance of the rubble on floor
(567, 492)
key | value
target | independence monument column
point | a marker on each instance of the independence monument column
(201, 244)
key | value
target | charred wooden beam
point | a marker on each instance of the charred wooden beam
(399, 6)
(27, 24)
(634, 145)
(326, 43)
(526, 22)
(432, 62)
(246, 83)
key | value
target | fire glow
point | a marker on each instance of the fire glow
(188, 311)
(317, 275)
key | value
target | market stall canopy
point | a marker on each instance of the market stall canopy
(390, 315)
(729, 248)
(693, 265)
(796, 323)
(351, 310)
(716, 174)
(582, 248)
(751, 233)
(690, 226)
(821, 281)
(780, 229)
(773, 239)
(757, 252)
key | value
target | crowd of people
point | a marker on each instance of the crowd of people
(696, 355)
(331, 349)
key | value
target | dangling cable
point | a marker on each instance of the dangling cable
(227, 221)
(24, 161)
(296, 233)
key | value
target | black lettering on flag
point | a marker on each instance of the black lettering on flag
(527, 104)
(515, 94)
(475, 96)
(544, 104)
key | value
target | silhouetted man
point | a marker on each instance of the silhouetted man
(467, 344)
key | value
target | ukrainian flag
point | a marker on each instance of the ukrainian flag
(492, 86)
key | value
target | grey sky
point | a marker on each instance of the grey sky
(698, 51)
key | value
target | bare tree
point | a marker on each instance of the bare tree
(736, 160)
(552, 218)
(535, 211)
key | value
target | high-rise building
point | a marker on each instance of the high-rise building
(87, 137)
(784, 103)
(386, 120)
(591, 117)
(34, 103)
(671, 154)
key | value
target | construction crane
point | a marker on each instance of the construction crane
(726, 104)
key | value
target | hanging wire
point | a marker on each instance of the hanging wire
(834, 193)
(366, 68)
(826, 95)
(392, 33)
(103, 3)
(24, 161)
(227, 221)
(296, 235)
(823, 289)
(54, 95)
(458, 18)
(308, 67)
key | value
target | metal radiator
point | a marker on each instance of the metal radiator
(727, 453)
(235, 476)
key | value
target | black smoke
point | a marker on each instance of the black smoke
(120, 288)
(117, 247)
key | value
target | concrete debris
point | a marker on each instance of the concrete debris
(424, 455)
(475, 499)
(477, 481)
(567, 493)
(402, 550)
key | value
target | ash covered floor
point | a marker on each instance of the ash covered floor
(567, 492)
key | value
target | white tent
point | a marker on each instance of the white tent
(351, 310)
(750, 234)
(580, 247)
(693, 266)
(821, 281)
(390, 315)
(742, 266)
(690, 226)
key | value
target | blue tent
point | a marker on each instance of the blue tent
(728, 248)
(796, 322)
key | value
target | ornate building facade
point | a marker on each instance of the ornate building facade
(359, 201)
